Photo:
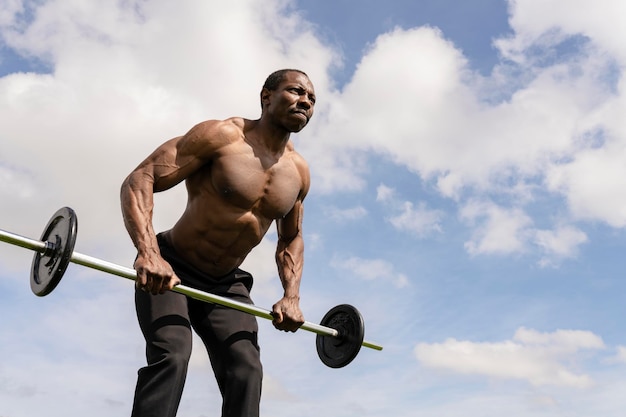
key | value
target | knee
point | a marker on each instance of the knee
(246, 365)
(246, 375)
(172, 352)
(178, 357)
(170, 364)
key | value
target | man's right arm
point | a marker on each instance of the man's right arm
(137, 198)
(168, 165)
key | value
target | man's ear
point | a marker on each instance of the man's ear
(265, 97)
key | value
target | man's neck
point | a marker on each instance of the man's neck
(271, 137)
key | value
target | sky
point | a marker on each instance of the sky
(468, 163)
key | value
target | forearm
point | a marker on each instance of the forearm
(137, 208)
(290, 262)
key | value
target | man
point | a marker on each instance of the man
(241, 175)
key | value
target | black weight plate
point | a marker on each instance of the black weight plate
(337, 352)
(49, 266)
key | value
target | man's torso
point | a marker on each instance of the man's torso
(232, 201)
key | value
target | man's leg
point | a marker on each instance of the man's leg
(164, 321)
(231, 340)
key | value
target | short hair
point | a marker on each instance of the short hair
(274, 79)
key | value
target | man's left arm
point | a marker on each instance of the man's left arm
(290, 261)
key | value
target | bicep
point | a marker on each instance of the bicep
(290, 226)
(170, 165)
(178, 158)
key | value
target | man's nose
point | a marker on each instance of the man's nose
(305, 102)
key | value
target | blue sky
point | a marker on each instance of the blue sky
(468, 176)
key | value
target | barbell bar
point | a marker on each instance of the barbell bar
(339, 334)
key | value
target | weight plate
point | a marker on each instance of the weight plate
(49, 266)
(337, 352)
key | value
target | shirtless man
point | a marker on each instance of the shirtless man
(241, 175)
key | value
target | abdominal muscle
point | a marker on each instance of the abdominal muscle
(216, 238)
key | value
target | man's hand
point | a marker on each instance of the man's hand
(287, 314)
(154, 275)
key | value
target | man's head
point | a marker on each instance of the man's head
(288, 95)
(274, 79)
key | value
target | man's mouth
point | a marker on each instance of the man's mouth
(301, 113)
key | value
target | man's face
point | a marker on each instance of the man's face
(291, 104)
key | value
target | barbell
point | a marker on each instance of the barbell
(339, 335)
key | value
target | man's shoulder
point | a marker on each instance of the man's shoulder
(218, 132)
(300, 163)
(290, 150)
(232, 125)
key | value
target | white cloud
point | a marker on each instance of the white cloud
(539, 358)
(620, 356)
(559, 340)
(498, 230)
(370, 269)
(548, 121)
(384, 193)
(15, 183)
(599, 20)
(420, 221)
(417, 220)
(593, 183)
(501, 230)
(125, 82)
(440, 127)
(560, 243)
(346, 214)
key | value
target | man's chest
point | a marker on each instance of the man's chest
(243, 180)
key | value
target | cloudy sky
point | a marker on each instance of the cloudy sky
(468, 196)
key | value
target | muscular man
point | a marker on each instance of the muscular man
(240, 175)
